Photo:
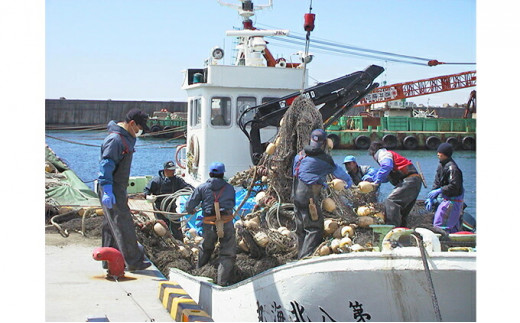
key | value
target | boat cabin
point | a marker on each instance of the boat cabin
(217, 96)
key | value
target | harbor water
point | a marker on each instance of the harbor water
(81, 150)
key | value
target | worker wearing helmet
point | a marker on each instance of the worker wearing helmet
(218, 200)
(447, 194)
(360, 173)
(310, 168)
(165, 183)
(403, 175)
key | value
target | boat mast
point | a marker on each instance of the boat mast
(252, 47)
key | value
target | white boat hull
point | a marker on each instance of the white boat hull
(371, 286)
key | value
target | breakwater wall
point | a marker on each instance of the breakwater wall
(99, 112)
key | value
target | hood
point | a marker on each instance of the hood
(318, 153)
(312, 150)
(216, 183)
(112, 126)
(378, 153)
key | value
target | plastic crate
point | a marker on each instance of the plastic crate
(136, 184)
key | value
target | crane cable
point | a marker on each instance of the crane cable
(345, 49)
(308, 26)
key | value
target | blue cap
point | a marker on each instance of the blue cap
(349, 158)
(217, 168)
(318, 137)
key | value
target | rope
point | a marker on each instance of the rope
(306, 53)
(77, 128)
(133, 299)
(419, 240)
(253, 180)
(64, 233)
(288, 211)
(72, 142)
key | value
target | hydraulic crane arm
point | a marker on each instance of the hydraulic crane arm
(336, 97)
(432, 85)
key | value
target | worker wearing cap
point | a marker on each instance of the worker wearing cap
(114, 171)
(403, 175)
(216, 189)
(360, 173)
(166, 182)
(310, 168)
(447, 193)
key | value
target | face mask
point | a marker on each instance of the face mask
(139, 132)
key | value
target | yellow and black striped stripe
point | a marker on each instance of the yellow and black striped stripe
(180, 305)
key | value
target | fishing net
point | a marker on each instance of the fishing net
(298, 122)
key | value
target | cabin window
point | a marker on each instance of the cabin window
(195, 112)
(220, 111)
(243, 103)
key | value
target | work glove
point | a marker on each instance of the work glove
(108, 198)
(434, 193)
(428, 204)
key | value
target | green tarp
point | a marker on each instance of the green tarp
(72, 191)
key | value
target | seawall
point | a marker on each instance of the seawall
(96, 112)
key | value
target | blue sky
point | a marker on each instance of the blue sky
(136, 50)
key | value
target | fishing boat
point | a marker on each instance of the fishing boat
(166, 124)
(395, 284)
(392, 282)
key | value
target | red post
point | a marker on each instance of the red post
(114, 259)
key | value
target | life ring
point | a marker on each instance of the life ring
(433, 142)
(468, 143)
(335, 140)
(390, 141)
(391, 240)
(362, 142)
(453, 141)
(410, 143)
(193, 153)
(177, 158)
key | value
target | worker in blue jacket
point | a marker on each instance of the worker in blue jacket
(218, 199)
(310, 168)
(114, 171)
(447, 194)
(166, 182)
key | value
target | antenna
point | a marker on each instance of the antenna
(247, 9)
